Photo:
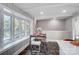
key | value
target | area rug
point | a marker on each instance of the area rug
(48, 48)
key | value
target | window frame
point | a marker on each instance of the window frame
(22, 23)
(14, 27)
(27, 24)
(7, 14)
(13, 16)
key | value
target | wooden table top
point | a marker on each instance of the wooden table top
(37, 35)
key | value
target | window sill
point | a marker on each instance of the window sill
(4, 47)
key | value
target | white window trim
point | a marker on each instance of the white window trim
(14, 14)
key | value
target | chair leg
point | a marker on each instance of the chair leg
(39, 50)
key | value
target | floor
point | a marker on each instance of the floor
(47, 48)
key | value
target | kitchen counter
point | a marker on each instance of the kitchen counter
(66, 48)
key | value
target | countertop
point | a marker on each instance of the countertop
(67, 47)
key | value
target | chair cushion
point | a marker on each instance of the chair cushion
(75, 43)
(36, 43)
(68, 40)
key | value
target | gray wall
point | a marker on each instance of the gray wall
(1, 28)
(68, 24)
(68, 28)
(54, 29)
(59, 25)
(59, 29)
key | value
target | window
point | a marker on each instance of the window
(27, 29)
(23, 28)
(16, 28)
(7, 31)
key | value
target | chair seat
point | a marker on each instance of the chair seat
(36, 43)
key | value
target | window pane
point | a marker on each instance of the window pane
(7, 24)
(16, 28)
(23, 28)
(27, 29)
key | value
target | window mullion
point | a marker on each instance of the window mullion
(12, 28)
(20, 29)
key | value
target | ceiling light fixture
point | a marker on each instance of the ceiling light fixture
(41, 12)
(53, 21)
(64, 11)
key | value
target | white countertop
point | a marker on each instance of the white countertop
(67, 47)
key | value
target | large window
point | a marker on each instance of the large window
(16, 28)
(7, 23)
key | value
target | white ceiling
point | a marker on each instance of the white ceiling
(49, 10)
